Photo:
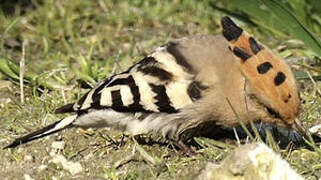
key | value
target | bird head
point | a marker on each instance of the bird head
(269, 78)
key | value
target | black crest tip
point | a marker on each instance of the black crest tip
(230, 30)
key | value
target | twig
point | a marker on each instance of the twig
(103, 5)
(22, 71)
(148, 158)
(247, 111)
(245, 99)
(314, 83)
(127, 159)
(309, 67)
(113, 70)
(63, 95)
(240, 121)
(237, 137)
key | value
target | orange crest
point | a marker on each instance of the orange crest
(268, 75)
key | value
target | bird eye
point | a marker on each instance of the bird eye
(287, 98)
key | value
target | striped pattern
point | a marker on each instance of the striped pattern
(161, 82)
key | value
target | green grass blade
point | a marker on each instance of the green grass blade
(273, 16)
(271, 142)
(240, 121)
(288, 21)
(6, 70)
(256, 132)
(316, 5)
(7, 29)
(206, 142)
(11, 71)
(257, 14)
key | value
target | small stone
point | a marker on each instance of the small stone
(52, 153)
(20, 150)
(27, 177)
(42, 167)
(58, 145)
(28, 158)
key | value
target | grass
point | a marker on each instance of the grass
(72, 45)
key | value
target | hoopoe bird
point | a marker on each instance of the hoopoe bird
(187, 87)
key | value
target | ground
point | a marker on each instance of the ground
(70, 45)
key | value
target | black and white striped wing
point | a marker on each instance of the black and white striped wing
(158, 83)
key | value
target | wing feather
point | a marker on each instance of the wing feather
(158, 83)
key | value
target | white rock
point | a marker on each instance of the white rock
(72, 167)
(316, 130)
(251, 161)
(27, 177)
(28, 158)
(58, 145)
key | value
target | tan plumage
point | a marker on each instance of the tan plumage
(182, 89)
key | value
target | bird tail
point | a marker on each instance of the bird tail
(50, 129)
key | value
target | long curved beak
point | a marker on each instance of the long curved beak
(297, 125)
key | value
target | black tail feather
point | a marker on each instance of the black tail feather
(52, 128)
